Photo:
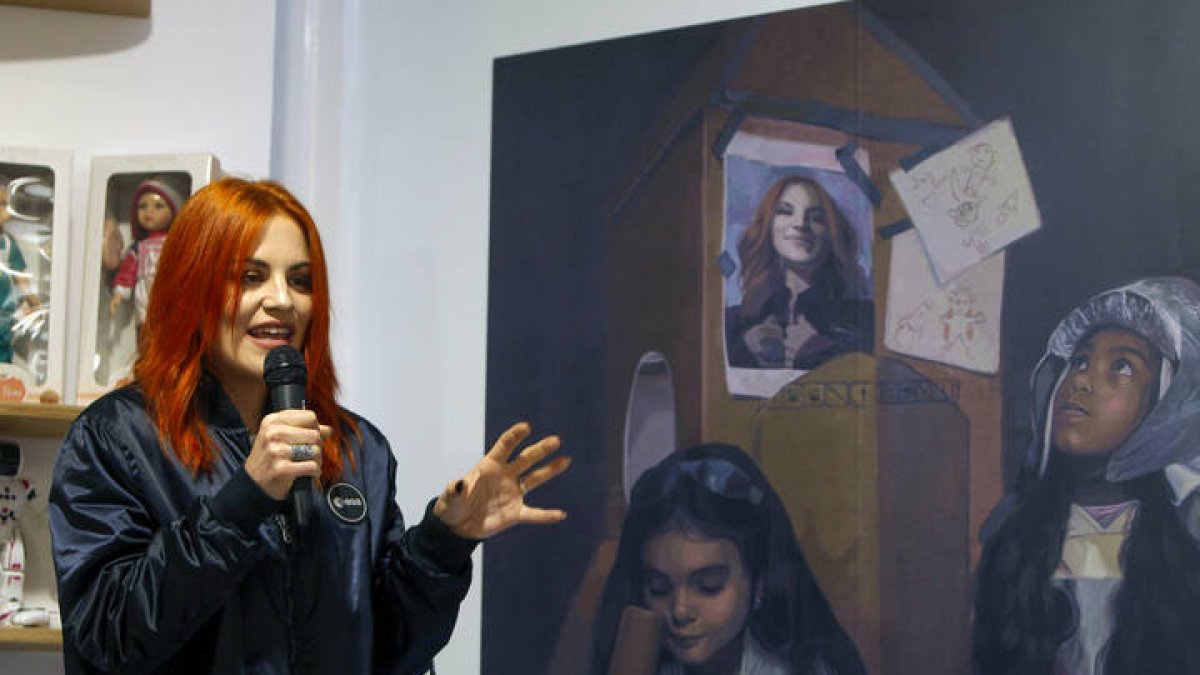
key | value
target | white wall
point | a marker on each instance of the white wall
(188, 79)
(394, 165)
(412, 257)
(195, 77)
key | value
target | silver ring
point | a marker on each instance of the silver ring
(304, 452)
(521, 485)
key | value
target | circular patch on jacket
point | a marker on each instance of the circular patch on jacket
(346, 502)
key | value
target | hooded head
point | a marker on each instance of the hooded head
(159, 187)
(1165, 313)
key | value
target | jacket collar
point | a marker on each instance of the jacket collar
(216, 407)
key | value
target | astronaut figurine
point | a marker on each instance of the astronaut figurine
(15, 492)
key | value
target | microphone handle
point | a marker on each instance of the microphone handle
(302, 499)
(291, 397)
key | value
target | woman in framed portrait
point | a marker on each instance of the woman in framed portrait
(804, 297)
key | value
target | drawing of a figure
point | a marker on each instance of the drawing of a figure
(708, 547)
(800, 283)
(1091, 564)
(960, 319)
(910, 328)
(971, 182)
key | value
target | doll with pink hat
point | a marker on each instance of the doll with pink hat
(155, 203)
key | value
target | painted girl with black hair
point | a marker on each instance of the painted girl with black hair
(707, 545)
(1091, 565)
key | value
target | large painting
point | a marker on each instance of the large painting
(783, 283)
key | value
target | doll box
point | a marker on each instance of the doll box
(34, 235)
(115, 281)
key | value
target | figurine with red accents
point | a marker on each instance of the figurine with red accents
(155, 203)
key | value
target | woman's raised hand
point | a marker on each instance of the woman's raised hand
(490, 498)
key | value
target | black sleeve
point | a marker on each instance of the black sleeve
(133, 590)
(420, 581)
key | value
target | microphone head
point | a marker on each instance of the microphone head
(284, 365)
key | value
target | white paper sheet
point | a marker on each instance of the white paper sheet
(957, 323)
(970, 200)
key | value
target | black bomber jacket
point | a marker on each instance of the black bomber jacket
(163, 571)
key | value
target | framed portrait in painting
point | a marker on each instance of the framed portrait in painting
(797, 249)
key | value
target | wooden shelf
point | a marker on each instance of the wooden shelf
(30, 639)
(34, 419)
(137, 8)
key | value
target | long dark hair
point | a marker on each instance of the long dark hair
(1021, 619)
(717, 491)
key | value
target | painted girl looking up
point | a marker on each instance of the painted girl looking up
(707, 546)
(1090, 565)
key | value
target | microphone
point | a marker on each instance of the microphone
(286, 378)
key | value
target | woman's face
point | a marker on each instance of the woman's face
(153, 212)
(800, 227)
(1105, 393)
(702, 589)
(273, 310)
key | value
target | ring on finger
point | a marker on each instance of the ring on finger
(521, 485)
(304, 452)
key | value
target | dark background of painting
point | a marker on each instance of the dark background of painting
(565, 126)
(1104, 97)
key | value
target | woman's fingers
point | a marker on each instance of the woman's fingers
(299, 455)
(503, 448)
(530, 515)
(528, 457)
(534, 479)
(292, 427)
(289, 445)
(534, 454)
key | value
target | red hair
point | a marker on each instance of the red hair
(762, 273)
(197, 286)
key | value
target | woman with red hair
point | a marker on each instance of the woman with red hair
(172, 548)
(803, 294)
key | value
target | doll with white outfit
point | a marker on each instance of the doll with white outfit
(15, 492)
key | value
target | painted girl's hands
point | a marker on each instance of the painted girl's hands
(490, 498)
(766, 343)
(797, 334)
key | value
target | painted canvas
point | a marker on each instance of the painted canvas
(878, 447)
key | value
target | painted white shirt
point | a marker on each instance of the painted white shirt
(1090, 572)
(755, 661)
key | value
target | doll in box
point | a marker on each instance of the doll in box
(155, 203)
(17, 297)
